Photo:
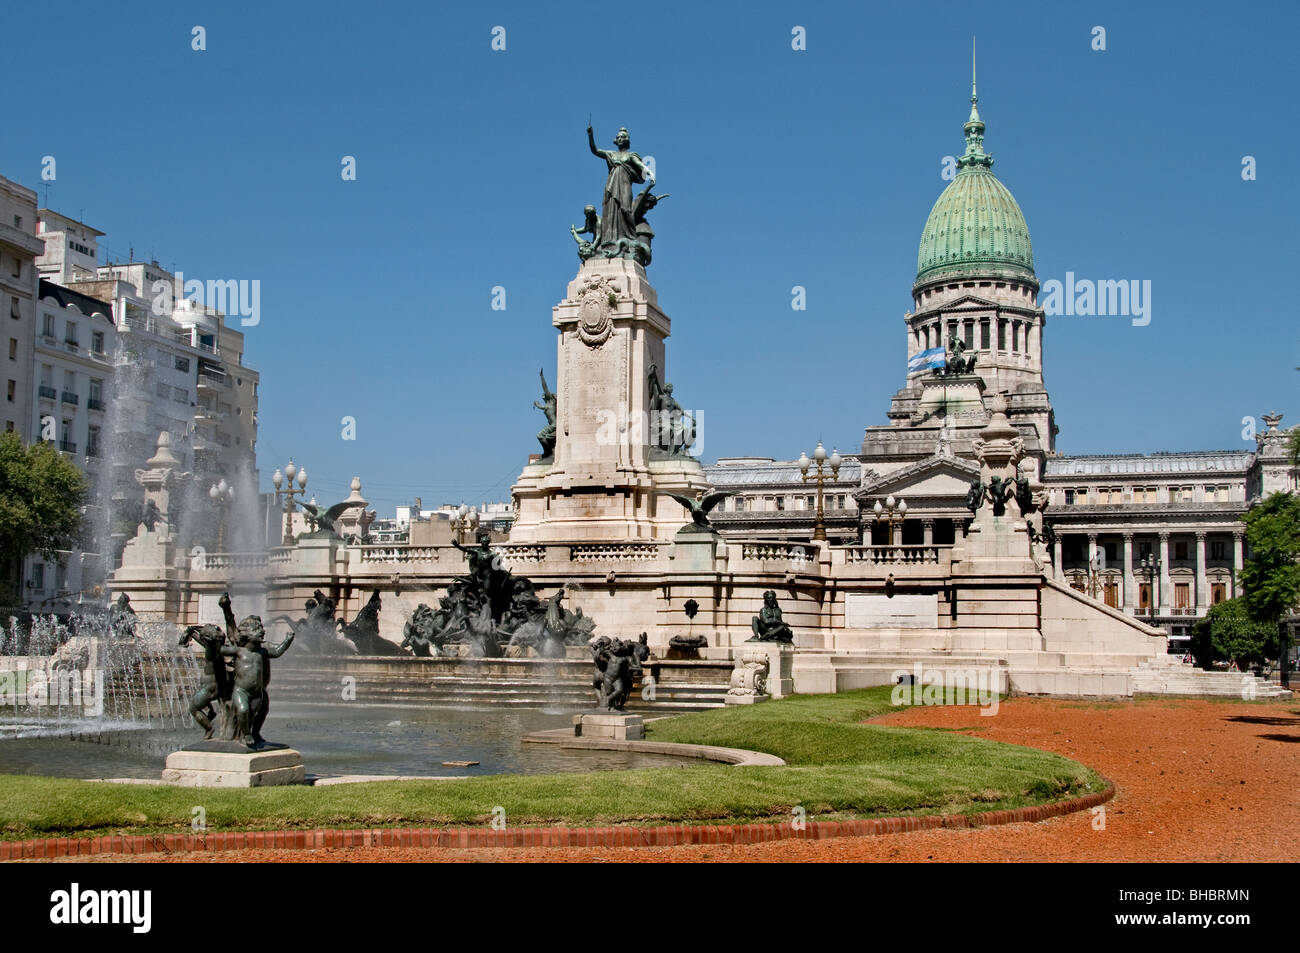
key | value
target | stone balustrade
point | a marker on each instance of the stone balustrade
(877, 555)
(798, 555)
(614, 552)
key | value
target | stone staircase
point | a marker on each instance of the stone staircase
(1176, 678)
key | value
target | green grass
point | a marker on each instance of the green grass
(836, 767)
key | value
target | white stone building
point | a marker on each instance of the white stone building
(975, 284)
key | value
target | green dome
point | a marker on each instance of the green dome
(975, 227)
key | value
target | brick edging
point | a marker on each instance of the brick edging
(669, 836)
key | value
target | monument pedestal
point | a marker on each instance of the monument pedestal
(230, 769)
(609, 724)
(610, 471)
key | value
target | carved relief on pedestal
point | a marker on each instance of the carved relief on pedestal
(596, 303)
(749, 677)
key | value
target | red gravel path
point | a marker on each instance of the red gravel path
(1198, 780)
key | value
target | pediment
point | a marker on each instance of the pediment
(934, 477)
(967, 302)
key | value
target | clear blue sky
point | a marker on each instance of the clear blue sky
(812, 168)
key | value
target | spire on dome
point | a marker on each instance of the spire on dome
(974, 128)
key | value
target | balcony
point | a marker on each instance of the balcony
(49, 393)
(72, 346)
(70, 398)
(67, 446)
(94, 403)
(49, 340)
(92, 450)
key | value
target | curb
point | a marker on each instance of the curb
(673, 836)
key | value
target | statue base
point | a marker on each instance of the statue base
(248, 768)
(780, 673)
(611, 724)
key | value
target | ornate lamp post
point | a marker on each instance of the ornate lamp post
(823, 462)
(222, 495)
(466, 520)
(1150, 564)
(289, 492)
(895, 512)
(1094, 575)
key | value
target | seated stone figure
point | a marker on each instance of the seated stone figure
(767, 625)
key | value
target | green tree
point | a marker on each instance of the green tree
(1228, 632)
(41, 495)
(1271, 575)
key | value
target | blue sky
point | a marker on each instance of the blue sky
(813, 168)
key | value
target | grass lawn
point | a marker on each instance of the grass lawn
(836, 767)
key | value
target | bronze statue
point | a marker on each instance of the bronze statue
(546, 436)
(975, 495)
(672, 429)
(238, 695)
(214, 682)
(701, 506)
(768, 625)
(957, 364)
(621, 230)
(122, 620)
(618, 664)
(324, 519)
(248, 695)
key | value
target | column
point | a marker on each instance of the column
(1092, 549)
(1130, 585)
(1057, 569)
(896, 532)
(927, 526)
(1202, 584)
(1238, 560)
(1166, 595)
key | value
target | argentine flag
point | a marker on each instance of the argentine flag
(934, 357)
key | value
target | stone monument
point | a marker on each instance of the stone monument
(616, 438)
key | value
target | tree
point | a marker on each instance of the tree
(1229, 632)
(1271, 575)
(41, 495)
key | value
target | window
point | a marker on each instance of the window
(1110, 590)
(18, 267)
(97, 342)
(780, 502)
(13, 389)
(1069, 497)
(984, 333)
(1180, 549)
(47, 326)
(183, 364)
(92, 441)
(13, 349)
(1182, 594)
(1218, 592)
(14, 311)
(1002, 334)
(70, 333)
(1144, 596)
(96, 389)
(1217, 550)
(38, 576)
(1081, 495)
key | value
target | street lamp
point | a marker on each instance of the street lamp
(222, 495)
(1151, 566)
(823, 462)
(1094, 574)
(894, 512)
(466, 519)
(289, 492)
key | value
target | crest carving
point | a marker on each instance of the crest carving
(596, 304)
